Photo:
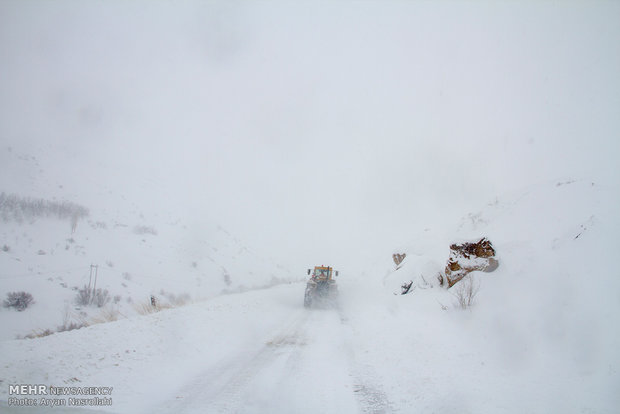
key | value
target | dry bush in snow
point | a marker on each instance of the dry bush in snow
(106, 315)
(148, 308)
(18, 300)
(70, 326)
(71, 321)
(37, 334)
(465, 291)
(156, 305)
(83, 296)
(101, 297)
(86, 297)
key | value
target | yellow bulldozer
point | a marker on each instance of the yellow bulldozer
(321, 288)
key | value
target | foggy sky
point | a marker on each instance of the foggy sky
(315, 131)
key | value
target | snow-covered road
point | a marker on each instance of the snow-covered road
(255, 352)
(261, 352)
(303, 366)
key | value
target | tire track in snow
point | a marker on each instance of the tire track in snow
(238, 395)
(306, 366)
(226, 386)
(370, 395)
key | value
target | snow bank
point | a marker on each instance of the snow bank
(540, 336)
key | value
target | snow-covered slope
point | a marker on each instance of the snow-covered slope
(139, 251)
(546, 222)
(540, 337)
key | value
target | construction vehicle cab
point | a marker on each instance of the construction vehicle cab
(321, 288)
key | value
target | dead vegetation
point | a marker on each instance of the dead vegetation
(156, 304)
(465, 292)
(18, 300)
(147, 308)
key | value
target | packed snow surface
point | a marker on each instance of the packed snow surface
(540, 338)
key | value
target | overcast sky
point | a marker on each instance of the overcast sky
(319, 131)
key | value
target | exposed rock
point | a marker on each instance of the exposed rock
(405, 287)
(399, 257)
(468, 257)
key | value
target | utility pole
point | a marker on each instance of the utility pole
(92, 296)
(90, 277)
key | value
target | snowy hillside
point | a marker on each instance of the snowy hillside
(539, 338)
(139, 253)
(541, 335)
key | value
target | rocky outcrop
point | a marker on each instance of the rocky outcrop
(468, 257)
(398, 258)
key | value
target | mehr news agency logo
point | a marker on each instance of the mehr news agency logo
(40, 395)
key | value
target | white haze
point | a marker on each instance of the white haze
(292, 123)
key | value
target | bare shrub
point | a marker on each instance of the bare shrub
(18, 300)
(38, 334)
(155, 304)
(465, 292)
(86, 297)
(70, 326)
(83, 296)
(101, 297)
(148, 308)
(71, 321)
(67, 325)
(145, 308)
(106, 315)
